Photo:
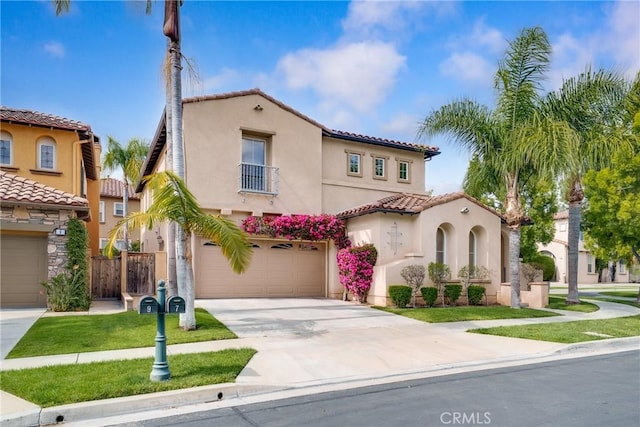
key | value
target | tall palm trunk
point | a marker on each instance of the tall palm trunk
(171, 29)
(514, 216)
(576, 195)
(125, 210)
(172, 282)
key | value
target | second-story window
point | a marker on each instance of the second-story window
(118, 209)
(6, 154)
(254, 158)
(46, 153)
(379, 167)
(354, 163)
(102, 212)
(404, 171)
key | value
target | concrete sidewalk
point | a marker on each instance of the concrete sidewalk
(310, 345)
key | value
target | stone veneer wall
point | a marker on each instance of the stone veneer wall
(32, 219)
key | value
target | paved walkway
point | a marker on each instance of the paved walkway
(312, 344)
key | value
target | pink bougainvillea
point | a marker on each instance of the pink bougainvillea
(299, 227)
(355, 267)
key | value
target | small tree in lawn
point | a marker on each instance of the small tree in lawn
(439, 273)
(414, 276)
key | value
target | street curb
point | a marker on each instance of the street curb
(249, 393)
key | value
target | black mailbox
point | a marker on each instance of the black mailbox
(176, 304)
(148, 305)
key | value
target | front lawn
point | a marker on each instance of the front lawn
(625, 294)
(463, 313)
(570, 332)
(64, 384)
(558, 303)
(80, 334)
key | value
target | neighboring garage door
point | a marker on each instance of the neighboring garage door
(24, 268)
(278, 269)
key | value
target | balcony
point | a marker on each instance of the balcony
(258, 179)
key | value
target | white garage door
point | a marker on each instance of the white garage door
(24, 268)
(278, 269)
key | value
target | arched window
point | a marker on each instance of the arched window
(6, 149)
(472, 249)
(46, 153)
(441, 246)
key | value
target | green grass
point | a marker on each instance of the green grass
(64, 384)
(626, 294)
(463, 313)
(80, 334)
(570, 332)
(558, 303)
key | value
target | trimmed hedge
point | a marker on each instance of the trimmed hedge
(475, 294)
(400, 295)
(429, 295)
(546, 264)
(452, 292)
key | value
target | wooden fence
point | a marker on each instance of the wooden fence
(106, 275)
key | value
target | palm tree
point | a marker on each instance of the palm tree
(130, 159)
(592, 105)
(495, 138)
(172, 201)
(175, 149)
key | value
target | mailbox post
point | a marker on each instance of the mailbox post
(151, 305)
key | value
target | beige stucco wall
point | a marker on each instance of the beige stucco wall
(213, 132)
(417, 243)
(111, 220)
(341, 191)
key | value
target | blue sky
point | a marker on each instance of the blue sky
(369, 67)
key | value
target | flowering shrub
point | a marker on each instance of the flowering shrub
(302, 227)
(355, 266)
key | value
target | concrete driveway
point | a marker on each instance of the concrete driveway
(14, 323)
(304, 342)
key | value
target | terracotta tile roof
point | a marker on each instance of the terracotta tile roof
(406, 203)
(23, 191)
(110, 187)
(561, 215)
(428, 151)
(159, 139)
(35, 118)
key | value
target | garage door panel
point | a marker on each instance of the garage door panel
(277, 269)
(24, 268)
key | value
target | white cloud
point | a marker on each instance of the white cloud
(55, 49)
(224, 78)
(486, 36)
(391, 19)
(570, 57)
(359, 75)
(467, 67)
(402, 124)
(622, 37)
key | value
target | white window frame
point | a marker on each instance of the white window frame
(441, 253)
(473, 249)
(355, 155)
(383, 160)
(6, 138)
(115, 209)
(406, 179)
(47, 142)
(102, 213)
(590, 264)
(622, 267)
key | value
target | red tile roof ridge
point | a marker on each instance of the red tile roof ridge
(21, 190)
(37, 118)
(111, 187)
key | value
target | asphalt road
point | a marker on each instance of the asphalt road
(591, 391)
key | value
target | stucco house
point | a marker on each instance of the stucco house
(111, 209)
(49, 174)
(246, 153)
(558, 249)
